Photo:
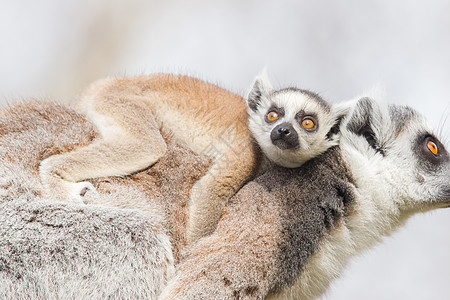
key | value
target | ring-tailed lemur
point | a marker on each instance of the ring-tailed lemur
(288, 233)
(132, 113)
(291, 125)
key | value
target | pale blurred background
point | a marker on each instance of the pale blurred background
(52, 49)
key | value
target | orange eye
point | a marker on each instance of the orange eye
(272, 116)
(308, 124)
(432, 147)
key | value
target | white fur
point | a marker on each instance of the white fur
(311, 144)
(388, 192)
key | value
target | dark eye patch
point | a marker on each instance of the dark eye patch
(279, 110)
(426, 157)
(302, 114)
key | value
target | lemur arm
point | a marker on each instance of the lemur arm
(238, 259)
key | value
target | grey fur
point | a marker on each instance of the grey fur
(324, 204)
(51, 250)
(298, 205)
(269, 240)
(288, 233)
(57, 251)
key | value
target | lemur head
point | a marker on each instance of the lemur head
(396, 157)
(290, 125)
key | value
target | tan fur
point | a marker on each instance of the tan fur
(131, 113)
(240, 253)
(264, 243)
(32, 131)
(166, 184)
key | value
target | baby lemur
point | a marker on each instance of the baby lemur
(291, 125)
(131, 114)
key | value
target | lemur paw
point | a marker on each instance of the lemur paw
(81, 191)
(58, 185)
(69, 192)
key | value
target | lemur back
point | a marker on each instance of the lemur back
(131, 113)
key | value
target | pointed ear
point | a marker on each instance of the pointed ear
(361, 115)
(367, 119)
(341, 110)
(261, 88)
(338, 111)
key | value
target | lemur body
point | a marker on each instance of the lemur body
(290, 232)
(131, 115)
(284, 235)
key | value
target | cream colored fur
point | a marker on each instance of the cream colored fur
(51, 250)
(131, 114)
(254, 251)
(390, 176)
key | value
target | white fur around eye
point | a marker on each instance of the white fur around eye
(312, 141)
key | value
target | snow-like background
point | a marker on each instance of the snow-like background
(52, 49)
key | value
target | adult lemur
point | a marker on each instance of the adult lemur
(133, 114)
(289, 232)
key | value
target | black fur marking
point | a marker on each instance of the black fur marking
(361, 123)
(278, 110)
(428, 160)
(371, 138)
(313, 116)
(309, 210)
(335, 129)
(361, 115)
(254, 97)
(324, 104)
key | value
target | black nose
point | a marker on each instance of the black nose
(284, 136)
(284, 131)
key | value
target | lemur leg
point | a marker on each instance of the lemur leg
(130, 141)
(210, 194)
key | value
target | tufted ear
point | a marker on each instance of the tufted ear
(261, 88)
(339, 112)
(360, 117)
(367, 119)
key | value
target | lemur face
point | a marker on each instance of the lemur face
(395, 145)
(290, 125)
